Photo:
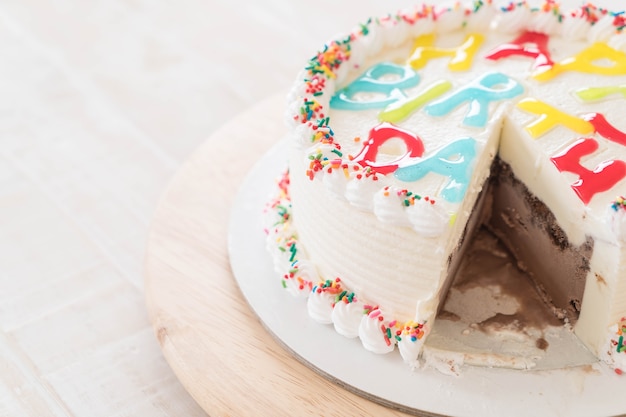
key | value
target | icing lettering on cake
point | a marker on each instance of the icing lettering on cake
(394, 130)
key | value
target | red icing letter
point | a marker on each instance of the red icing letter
(377, 137)
(530, 44)
(605, 129)
(602, 178)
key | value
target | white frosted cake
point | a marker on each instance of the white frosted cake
(414, 129)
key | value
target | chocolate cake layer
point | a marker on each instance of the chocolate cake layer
(530, 231)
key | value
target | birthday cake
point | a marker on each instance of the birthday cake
(413, 130)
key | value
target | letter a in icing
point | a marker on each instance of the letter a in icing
(529, 44)
(454, 161)
(461, 57)
(590, 61)
(590, 182)
(493, 86)
(386, 90)
(378, 136)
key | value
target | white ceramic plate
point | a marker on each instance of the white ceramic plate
(477, 391)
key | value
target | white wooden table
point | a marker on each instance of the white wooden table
(100, 103)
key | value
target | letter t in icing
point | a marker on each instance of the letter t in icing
(549, 117)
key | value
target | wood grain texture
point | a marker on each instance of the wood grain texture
(209, 335)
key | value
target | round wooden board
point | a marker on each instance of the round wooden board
(211, 338)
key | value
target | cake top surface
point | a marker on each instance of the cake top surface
(369, 106)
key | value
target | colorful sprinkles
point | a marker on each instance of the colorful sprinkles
(619, 204)
(592, 14)
(330, 58)
(309, 110)
(406, 197)
(617, 343)
(619, 21)
(551, 6)
(514, 5)
(392, 331)
(413, 330)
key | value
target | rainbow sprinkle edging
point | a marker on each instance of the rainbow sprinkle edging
(407, 197)
(392, 331)
(335, 288)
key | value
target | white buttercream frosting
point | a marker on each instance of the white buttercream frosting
(481, 19)
(515, 20)
(426, 25)
(396, 31)
(302, 136)
(347, 318)
(410, 351)
(411, 342)
(373, 42)
(450, 18)
(389, 208)
(336, 184)
(547, 22)
(371, 334)
(602, 30)
(618, 42)
(574, 28)
(320, 305)
(427, 219)
(360, 191)
(302, 274)
(358, 55)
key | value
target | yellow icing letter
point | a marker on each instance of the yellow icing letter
(461, 57)
(599, 59)
(549, 117)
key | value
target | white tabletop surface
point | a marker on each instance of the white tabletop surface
(100, 103)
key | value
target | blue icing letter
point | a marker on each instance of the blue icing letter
(454, 160)
(479, 93)
(374, 80)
